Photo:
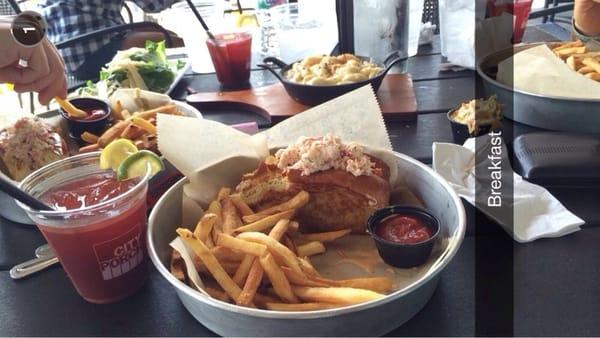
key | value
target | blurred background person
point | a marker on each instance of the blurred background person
(71, 18)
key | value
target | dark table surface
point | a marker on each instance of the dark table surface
(553, 282)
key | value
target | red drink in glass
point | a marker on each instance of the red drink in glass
(519, 9)
(230, 54)
(98, 230)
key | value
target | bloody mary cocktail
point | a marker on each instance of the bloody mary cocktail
(98, 228)
(230, 54)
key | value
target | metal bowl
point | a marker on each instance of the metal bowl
(312, 95)
(548, 112)
(367, 319)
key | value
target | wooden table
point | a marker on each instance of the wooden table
(553, 282)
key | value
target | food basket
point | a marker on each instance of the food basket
(366, 319)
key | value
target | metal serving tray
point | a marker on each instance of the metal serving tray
(547, 112)
(367, 319)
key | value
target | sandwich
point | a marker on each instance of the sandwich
(28, 145)
(345, 184)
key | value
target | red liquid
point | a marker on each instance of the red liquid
(103, 256)
(404, 229)
(519, 8)
(93, 114)
(231, 57)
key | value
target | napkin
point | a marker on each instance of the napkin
(536, 213)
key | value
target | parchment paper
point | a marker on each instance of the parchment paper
(538, 70)
(212, 155)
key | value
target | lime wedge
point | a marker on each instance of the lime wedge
(246, 20)
(136, 165)
(115, 152)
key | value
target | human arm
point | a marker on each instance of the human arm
(586, 17)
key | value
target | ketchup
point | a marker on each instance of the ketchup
(404, 229)
(93, 114)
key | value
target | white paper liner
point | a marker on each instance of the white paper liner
(537, 70)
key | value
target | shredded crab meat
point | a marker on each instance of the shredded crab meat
(314, 154)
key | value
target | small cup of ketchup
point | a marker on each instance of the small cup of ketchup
(404, 235)
(96, 122)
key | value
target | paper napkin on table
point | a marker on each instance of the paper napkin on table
(536, 213)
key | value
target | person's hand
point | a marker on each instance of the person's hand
(45, 71)
(587, 16)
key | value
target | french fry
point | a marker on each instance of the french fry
(310, 249)
(298, 307)
(289, 243)
(594, 76)
(177, 266)
(243, 270)
(116, 109)
(125, 114)
(112, 133)
(266, 222)
(308, 268)
(326, 236)
(132, 132)
(256, 272)
(231, 220)
(241, 206)
(280, 283)
(300, 279)
(224, 254)
(566, 52)
(261, 300)
(590, 62)
(252, 283)
(335, 295)
(166, 109)
(223, 192)
(89, 148)
(204, 226)
(143, 124)
(295, 202)
(293, 227)
(377, 284)
(570, 44)
(277, 249)
(212, 264)
(249, 248)
(216, 294)
(88, 137)
(228, 266)
(585, 70)
(279, 229)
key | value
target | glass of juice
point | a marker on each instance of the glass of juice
(230, 54)
(98, 227)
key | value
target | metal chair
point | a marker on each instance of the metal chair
(555, 4)
(431, 14)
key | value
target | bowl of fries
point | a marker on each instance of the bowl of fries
(553, 112)
(262, 277)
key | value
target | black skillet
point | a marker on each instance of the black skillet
(312, 95)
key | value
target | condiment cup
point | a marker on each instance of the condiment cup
(403, 255)
(95, 126)
(460, 131)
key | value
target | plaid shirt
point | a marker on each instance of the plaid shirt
(70, 18)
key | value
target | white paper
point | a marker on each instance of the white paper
(537, 70)
(537, 214)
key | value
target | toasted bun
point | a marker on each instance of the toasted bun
(338, 199)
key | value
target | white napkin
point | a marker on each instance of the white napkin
(536, 213)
